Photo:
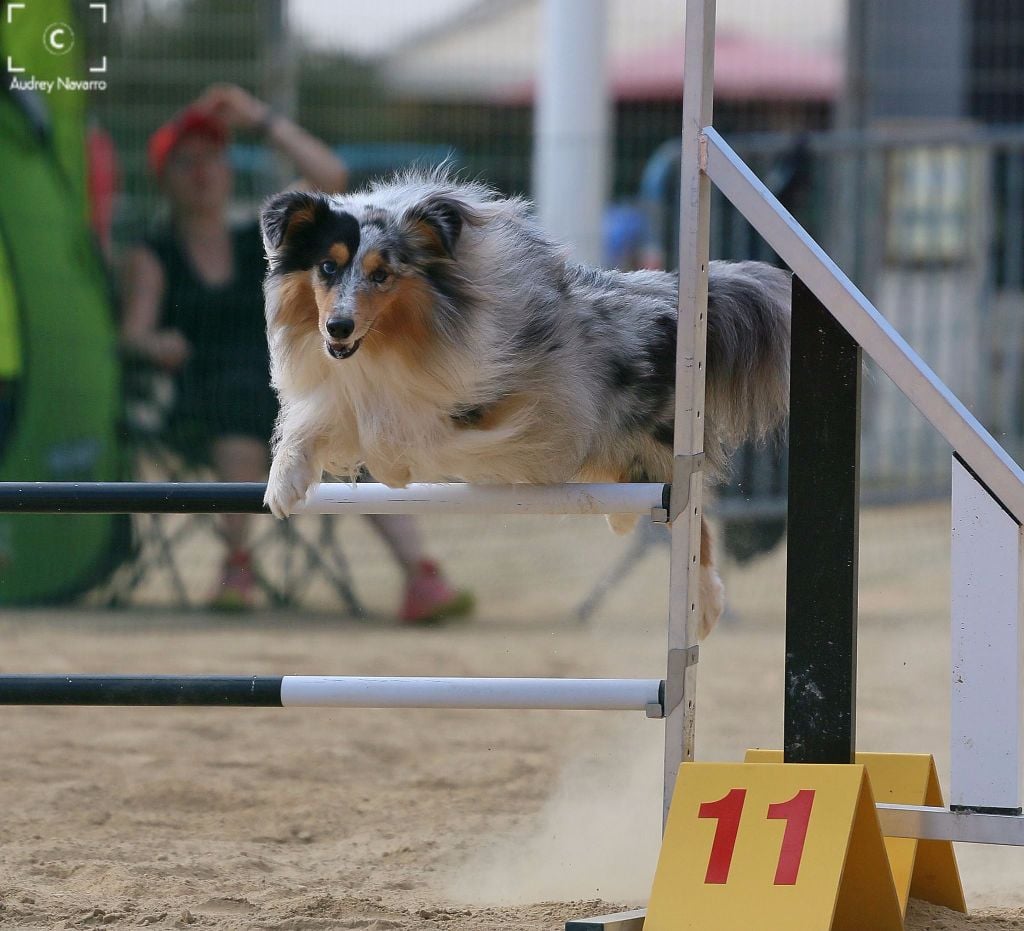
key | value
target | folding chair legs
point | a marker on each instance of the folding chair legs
(647, 535)
(322, 557)
(144, 561)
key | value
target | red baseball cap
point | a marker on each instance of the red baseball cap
(190, 122)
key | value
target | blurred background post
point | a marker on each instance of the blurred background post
(571, 125)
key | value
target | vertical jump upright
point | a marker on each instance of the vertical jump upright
(691, 347)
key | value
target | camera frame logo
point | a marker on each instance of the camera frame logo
(58, 39)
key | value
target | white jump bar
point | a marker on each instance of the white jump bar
(430, 498)
(966, 827)
(465, 692)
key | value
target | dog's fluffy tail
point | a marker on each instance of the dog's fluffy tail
(747, 392)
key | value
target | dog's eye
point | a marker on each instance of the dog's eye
(329, 268)
(379, 276)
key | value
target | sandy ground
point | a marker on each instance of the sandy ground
(468, 821)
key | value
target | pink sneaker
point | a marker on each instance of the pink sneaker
(237, 588)
(429, 598)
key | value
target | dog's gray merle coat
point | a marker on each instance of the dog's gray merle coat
(524, 366)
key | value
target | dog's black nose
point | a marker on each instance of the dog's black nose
(340, 327)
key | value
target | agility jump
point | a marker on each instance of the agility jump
(833, 323)
(985, 473)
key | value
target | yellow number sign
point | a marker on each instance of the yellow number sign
(774, 847)
(921, 869)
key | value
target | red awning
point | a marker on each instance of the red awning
(746, 68)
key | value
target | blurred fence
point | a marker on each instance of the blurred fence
(163, 53)
(929, 223)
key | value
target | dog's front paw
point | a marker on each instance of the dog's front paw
(393, 476)
(287, 487)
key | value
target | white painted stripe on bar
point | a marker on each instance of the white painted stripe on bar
(466, 692)
(457, 498)
(965, 827)
(865, 324)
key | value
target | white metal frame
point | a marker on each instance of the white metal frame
(997, 484)
(993, 483)
(865, 324)
(691, 345)
(968, 827)
(985, 718)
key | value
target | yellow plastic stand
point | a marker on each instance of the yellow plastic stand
(921, 869)
(773, 847)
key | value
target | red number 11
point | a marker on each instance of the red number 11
(797, 814)
(727, 811)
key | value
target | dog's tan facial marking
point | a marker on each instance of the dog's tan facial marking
(297, 306)
(339, 254)
(372, 261)
(375, 267)
(325, 299)
(400, 318)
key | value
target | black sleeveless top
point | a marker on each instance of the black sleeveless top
(224, 387)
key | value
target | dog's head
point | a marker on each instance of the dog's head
(370, 277)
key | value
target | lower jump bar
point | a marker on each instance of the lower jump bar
(335, 692)
(330, 498)
(968, 827)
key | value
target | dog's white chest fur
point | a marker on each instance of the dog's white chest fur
(402, 430)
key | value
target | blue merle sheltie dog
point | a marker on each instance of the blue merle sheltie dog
(427, 330)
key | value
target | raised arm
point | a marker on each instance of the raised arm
(142, 287)
(315, 162)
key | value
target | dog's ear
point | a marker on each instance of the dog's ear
(281, 211)
(438, 222)
(298, 226)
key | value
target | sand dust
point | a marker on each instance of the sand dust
(469, 821)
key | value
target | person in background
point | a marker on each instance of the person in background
(193, 306)
(103, 177)
(624, 232)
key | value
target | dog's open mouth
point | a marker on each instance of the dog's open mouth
(338, 351)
